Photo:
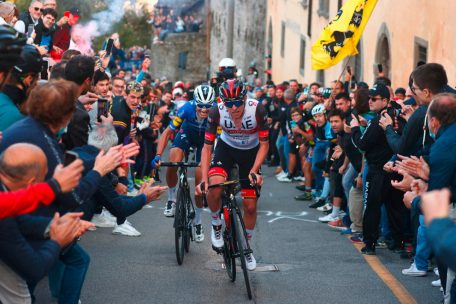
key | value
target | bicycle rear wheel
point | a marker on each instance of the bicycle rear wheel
(179, 226)
(240, 239)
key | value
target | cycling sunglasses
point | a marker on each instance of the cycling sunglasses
(229, 103)
(204, 106)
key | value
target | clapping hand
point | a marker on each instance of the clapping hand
(417, 167)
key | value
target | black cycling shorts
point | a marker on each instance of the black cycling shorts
(337, 189)
(225, 157)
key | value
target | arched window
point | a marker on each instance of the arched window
(383, 53)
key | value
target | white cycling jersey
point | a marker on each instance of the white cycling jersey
(248, 135)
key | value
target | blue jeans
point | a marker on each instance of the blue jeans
(347, 180)
(423, 250)
(319, 155)
(283, 146)
(131, 184)
(67, 282)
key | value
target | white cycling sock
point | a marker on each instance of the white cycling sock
(335, 211)
(216, 221)
(198, 212)
(172, 194)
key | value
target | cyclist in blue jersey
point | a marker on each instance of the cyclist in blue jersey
(190, 126)
(323, 137)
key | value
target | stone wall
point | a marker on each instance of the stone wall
(241, 37)
(165, 57)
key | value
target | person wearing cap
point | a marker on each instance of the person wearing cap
(62, 36)
(377, 153)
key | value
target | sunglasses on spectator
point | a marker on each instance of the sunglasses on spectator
(229, 103)
(204, 106)
(374, 99)
(38, 9)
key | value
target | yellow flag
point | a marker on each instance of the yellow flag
(341, 36)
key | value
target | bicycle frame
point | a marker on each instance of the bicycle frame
(230, 209)
(236, 244)
(183, 184)
(185, 211)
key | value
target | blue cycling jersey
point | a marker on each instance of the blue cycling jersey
(187, 120)
(325, 133)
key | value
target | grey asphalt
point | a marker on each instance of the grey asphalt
(313, 263)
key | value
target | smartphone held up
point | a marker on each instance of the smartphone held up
(102, 108)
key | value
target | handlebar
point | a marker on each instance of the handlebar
(232, 182)
(179, 164)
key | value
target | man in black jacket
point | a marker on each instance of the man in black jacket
(33, 15)
(80, 70)
(377, 152)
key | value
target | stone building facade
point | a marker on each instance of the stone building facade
(182, 57)
(237, 30)
(398, 35)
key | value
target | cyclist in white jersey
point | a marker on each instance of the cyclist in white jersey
(244, 141)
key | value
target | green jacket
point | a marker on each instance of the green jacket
(9, 113)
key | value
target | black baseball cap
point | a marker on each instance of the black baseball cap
(380, 89)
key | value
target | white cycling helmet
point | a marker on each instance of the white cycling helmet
(318, 109)
(227, 63)
(204, 95)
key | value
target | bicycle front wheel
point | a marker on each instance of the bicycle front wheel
(229, 249)
(240, 240)
(179, 226)
(187, 231)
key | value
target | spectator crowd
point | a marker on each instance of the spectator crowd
(164, 21)
(374, 159)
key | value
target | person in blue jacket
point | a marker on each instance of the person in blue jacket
(441, 125)
(190, 126)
